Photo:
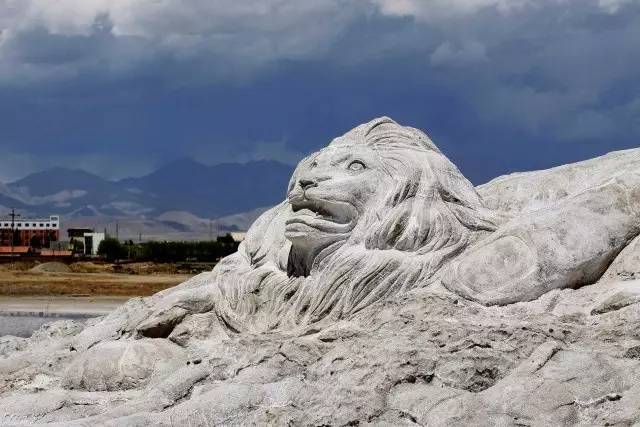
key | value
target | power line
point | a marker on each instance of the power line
(13, 216)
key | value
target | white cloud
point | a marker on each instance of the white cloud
(613, 6)
(432, 10)
(230, 39)
(240, 34)
(529, 64)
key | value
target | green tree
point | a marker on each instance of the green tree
(112, 249)
(227, 238)
(77, 246)
(204, 251)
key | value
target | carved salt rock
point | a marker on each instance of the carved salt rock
(378, 211)
(122, 365)
(532, 191)
(617, 301)
(626, 266)
(384, 289)
(10, 344)
(568, 244)
(203, 327)
(580, 303)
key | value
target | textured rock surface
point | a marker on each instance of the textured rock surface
(385, 290)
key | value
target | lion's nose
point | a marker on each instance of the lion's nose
(307, 183)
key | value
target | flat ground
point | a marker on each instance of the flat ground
(88, 279)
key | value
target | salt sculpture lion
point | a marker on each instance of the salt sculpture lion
(382, 210)
(378, 211)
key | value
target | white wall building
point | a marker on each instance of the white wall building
(92, 242)
(51, 223)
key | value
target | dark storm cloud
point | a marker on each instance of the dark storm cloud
(118, 87)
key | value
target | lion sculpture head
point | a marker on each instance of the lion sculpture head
(376, 212)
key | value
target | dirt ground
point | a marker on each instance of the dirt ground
(90, 279)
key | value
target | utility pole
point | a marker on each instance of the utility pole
(210, 230)
(117, 233)
(13, 216)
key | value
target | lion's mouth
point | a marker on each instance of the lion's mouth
(315, 212)
(315, 208)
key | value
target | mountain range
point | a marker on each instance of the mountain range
(183, 196)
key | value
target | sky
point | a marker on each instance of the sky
(120, 87)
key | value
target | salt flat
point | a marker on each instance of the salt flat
(23, 326)
(60, 305)
(21, 316)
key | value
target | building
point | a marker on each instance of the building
(78, 233)
(33, 232)
(90, 239)
(92, 242)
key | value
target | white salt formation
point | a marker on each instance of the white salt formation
(385, 289)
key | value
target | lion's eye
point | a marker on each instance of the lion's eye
(357, 165)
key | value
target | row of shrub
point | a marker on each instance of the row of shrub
(202, 251)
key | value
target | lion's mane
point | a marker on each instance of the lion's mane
(429, 214)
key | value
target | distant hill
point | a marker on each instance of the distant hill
(198, 192)
(213, 191)
(173, 225)
(72, 192)
(55, 180)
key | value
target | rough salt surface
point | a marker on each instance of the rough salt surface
(385, 290)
